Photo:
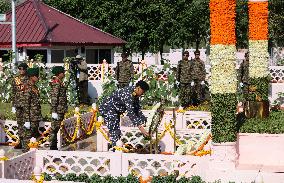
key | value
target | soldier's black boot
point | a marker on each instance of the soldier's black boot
(53, 143)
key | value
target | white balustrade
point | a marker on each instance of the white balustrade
(69, 125)
(20, 167)
(186, 120)
(162, 165)
(101, 163)
(64, 162)
(277, 73)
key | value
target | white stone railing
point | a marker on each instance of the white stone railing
(277, 73)
(98, 72)
(11, 127)
(133, 136)
(186, 120)
(190, 126)
(101, 163)
(157, 164)
(20, 167)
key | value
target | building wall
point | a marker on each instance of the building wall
(68, 51)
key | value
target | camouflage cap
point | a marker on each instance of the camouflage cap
(143, 85)
(57, 70)
(23, 65)
(33, 71)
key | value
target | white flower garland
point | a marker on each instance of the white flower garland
(258, 58)
(223, 71)
(151, 115)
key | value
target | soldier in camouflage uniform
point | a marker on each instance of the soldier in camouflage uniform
(18, 85)
(124, 71)
(184, 79)
(32, 109)
(198, 74)
(58, 103)
(243, 75)
(124, 100)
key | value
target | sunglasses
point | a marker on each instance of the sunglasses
(20, 68)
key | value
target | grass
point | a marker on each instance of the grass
(6, 111)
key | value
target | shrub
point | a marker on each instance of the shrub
(273, 124)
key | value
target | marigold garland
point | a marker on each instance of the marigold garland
(41, 179)
(4, 158)
(258, 20)
(222, 22)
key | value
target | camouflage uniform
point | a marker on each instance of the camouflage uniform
(124, 72)
(59, 106)
(198, 74)
(31, 112)
(243, 74)
(119, 102)
(18, 86)
(184, 77)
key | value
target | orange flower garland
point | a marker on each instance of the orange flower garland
(222, 22)
(258, 20)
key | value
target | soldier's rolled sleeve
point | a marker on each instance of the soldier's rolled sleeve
(134, 117)
(54, 96)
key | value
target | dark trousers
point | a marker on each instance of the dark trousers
(29, 133)
(112, 120)
(55, 126)
(83, 92)
(20, 122)
(185, 94)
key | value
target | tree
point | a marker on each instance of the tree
(192, 23)
(276, 22)
(4, 6)
(242, 23)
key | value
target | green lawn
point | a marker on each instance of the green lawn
(6, 111)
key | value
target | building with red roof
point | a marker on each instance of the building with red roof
(41, 29)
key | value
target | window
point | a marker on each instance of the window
(57, 56)
(92, 56)
(71, 53)
(33, 53)
(105, 54)
(4, 54)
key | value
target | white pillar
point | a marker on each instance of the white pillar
(13, 26)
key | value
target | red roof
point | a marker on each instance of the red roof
(40, 23)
